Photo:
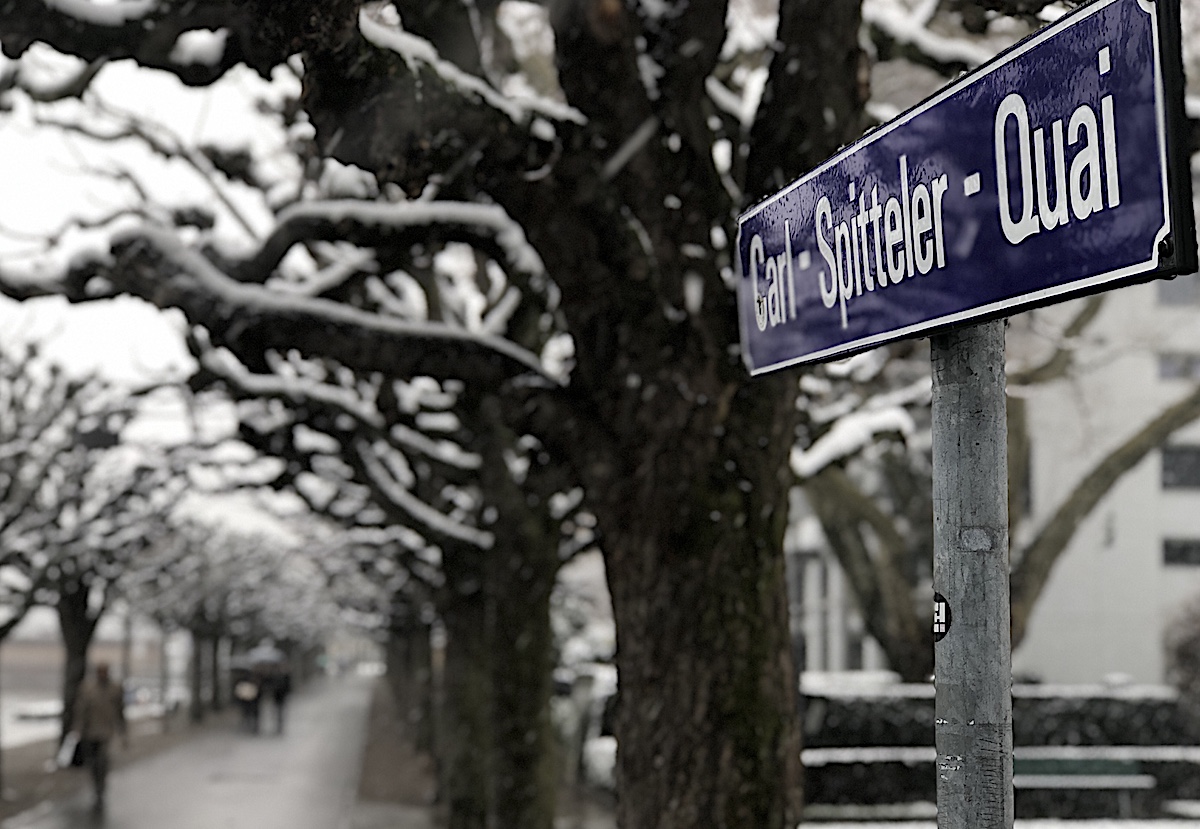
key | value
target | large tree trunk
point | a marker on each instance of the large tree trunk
(684, 455)
(522, 570)
(410, 675)
(215, 684)
(127, 646)
(524, 772)
(164, 678)
(465, 741)
(693, 530)
(77, 626)
(523, 566)
(1, 750)
(396, 661)
(420, 670)
(196, 707)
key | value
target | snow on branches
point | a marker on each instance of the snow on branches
(538, 112)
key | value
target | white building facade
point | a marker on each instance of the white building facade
(1133, 565)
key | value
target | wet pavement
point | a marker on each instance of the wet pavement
(305, 778)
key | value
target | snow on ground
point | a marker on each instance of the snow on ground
(32, 718)
(18, 728)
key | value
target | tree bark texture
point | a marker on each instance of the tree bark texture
(215, 676)
(77, 627)
(522, 568)
(524, 770)
(466, 739)
(196, 705)
(410, 675)
(164, 678)
(1, 751)
(420, 670)
(706, 714)
(395, 651)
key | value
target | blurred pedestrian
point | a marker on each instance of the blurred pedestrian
(280, 680)
(248, 692)
(100, 716)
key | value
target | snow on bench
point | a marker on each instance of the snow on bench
(1083, 781)
(912, 755)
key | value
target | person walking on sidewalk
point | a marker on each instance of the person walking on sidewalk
(279, 680)
(100, 716)
(247, 690)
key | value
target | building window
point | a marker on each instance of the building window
(1178, 366)
(1181, 551)
(1181, 467)
(1182, 290)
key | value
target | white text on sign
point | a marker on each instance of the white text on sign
(881, 236)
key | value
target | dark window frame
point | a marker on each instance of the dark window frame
(1180, 467)
(1181, 552)
(1178, 365)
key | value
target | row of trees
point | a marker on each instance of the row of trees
(91, 518)
(468, 273)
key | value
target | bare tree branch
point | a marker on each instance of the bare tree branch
(250, 319)
(375, 223)
(886, 600)
(165, 145)
(814, 98)
(1058, 363)
(896, 34)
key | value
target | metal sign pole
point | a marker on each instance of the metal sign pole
(972, 654)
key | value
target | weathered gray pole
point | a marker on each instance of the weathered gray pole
(972, 654)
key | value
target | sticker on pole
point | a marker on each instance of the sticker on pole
(1058, 169)
(941, 617)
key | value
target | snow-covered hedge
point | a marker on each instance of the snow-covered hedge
(875, 745)
(1042, 715)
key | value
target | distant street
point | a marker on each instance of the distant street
(304, 779)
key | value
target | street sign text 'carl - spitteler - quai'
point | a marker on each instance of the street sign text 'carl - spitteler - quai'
(1045, 174)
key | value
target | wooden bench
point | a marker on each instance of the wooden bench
(1105, 779)
(1122, 776)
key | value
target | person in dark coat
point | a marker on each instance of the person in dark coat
(99, 716)
(279, 684)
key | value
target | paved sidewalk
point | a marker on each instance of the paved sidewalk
(304, 779)
(390, 816)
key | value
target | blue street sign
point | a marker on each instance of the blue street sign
(1055, 170)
